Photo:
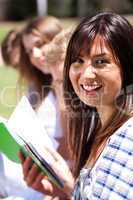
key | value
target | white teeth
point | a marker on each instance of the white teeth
(90, 88)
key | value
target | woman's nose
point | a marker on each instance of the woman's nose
(36, 52)
(89, 72)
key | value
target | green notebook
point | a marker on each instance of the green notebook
(10, 146)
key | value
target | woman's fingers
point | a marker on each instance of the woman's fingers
(47, 185)
(52, 190)
(37, 185)
(38, 179)
(21, 156)
(27, 164)
(32, 174)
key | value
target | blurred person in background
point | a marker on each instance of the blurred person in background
(10, 48)
(55, 52)
(21, 51)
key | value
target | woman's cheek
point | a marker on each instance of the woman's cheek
(72, 76)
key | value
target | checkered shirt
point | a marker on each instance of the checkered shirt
(112, 176)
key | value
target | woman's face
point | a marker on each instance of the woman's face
(96, 78)
(33, 48)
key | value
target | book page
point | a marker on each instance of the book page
(2, 119)
(24, 122)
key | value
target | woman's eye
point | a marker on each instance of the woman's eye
(101, 62)
(38, 44)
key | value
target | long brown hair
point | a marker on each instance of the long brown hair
(10, 48)
(84, 124)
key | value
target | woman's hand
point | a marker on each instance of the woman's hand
(38, 181)
(32, 175)
(62, 169)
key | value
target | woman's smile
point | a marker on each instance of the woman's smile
(90, 89)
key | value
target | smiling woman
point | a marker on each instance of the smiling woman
(96, 71)
(98, 90)
(98, 78)
(98, 81)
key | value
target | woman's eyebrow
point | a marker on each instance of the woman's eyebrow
(100, 55)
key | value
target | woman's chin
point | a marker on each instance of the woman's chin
(92, 102)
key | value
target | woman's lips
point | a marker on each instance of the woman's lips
(90, 89)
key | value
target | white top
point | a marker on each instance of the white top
(49, 115)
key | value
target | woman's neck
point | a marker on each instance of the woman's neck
(105, 113)
(59, 96)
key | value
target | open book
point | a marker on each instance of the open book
(23, 131)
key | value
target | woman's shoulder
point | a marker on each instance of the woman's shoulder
(121, 142)
(116, 163)
(125, 131)
(119, 149)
